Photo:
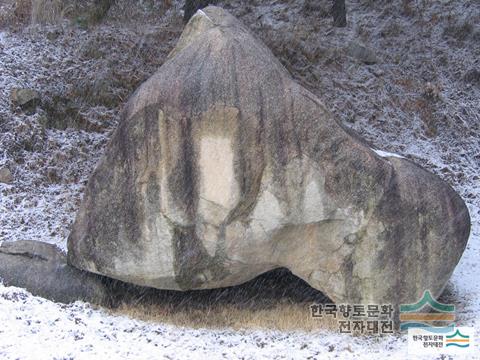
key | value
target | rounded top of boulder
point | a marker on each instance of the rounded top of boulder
(204, 20)
(216, 59)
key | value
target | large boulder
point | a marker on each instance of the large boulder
(42, 269)
(223, 168)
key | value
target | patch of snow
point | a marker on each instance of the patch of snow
(202, 13)
(387, 154)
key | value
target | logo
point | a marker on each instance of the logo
(434, 341)
(458, 339)
(415, 316)
(431, 328)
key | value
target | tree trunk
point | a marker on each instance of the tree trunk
(339, 13)
(100, 9)
(191, 7)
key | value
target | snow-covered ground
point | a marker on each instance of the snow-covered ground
(34, 207)
(33, 328)
(414, 103)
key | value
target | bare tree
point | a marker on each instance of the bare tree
(339, 13)
(100, 9)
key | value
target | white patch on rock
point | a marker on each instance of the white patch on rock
(161, 255)
(211, 212)
(267, 213)
(313, 208)
(202, 13)
(157, 262)
(386, 154)
(209, 235)
(217, 176)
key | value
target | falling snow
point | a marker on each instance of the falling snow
(404, 104)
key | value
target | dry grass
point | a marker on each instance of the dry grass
(48, 11)
(274, 300)
(15, 12)
(458, 31)
(281, 316)
(23, 9)
(25, 12)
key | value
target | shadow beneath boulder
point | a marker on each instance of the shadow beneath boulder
(263, 292)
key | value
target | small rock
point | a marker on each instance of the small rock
(53, 35)
(52, 175)
(432, 91)
(26, 99)
(42, 269)
(361, 53)
(472, 76)
(43, 121)
(6, 176)
(62, 113)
